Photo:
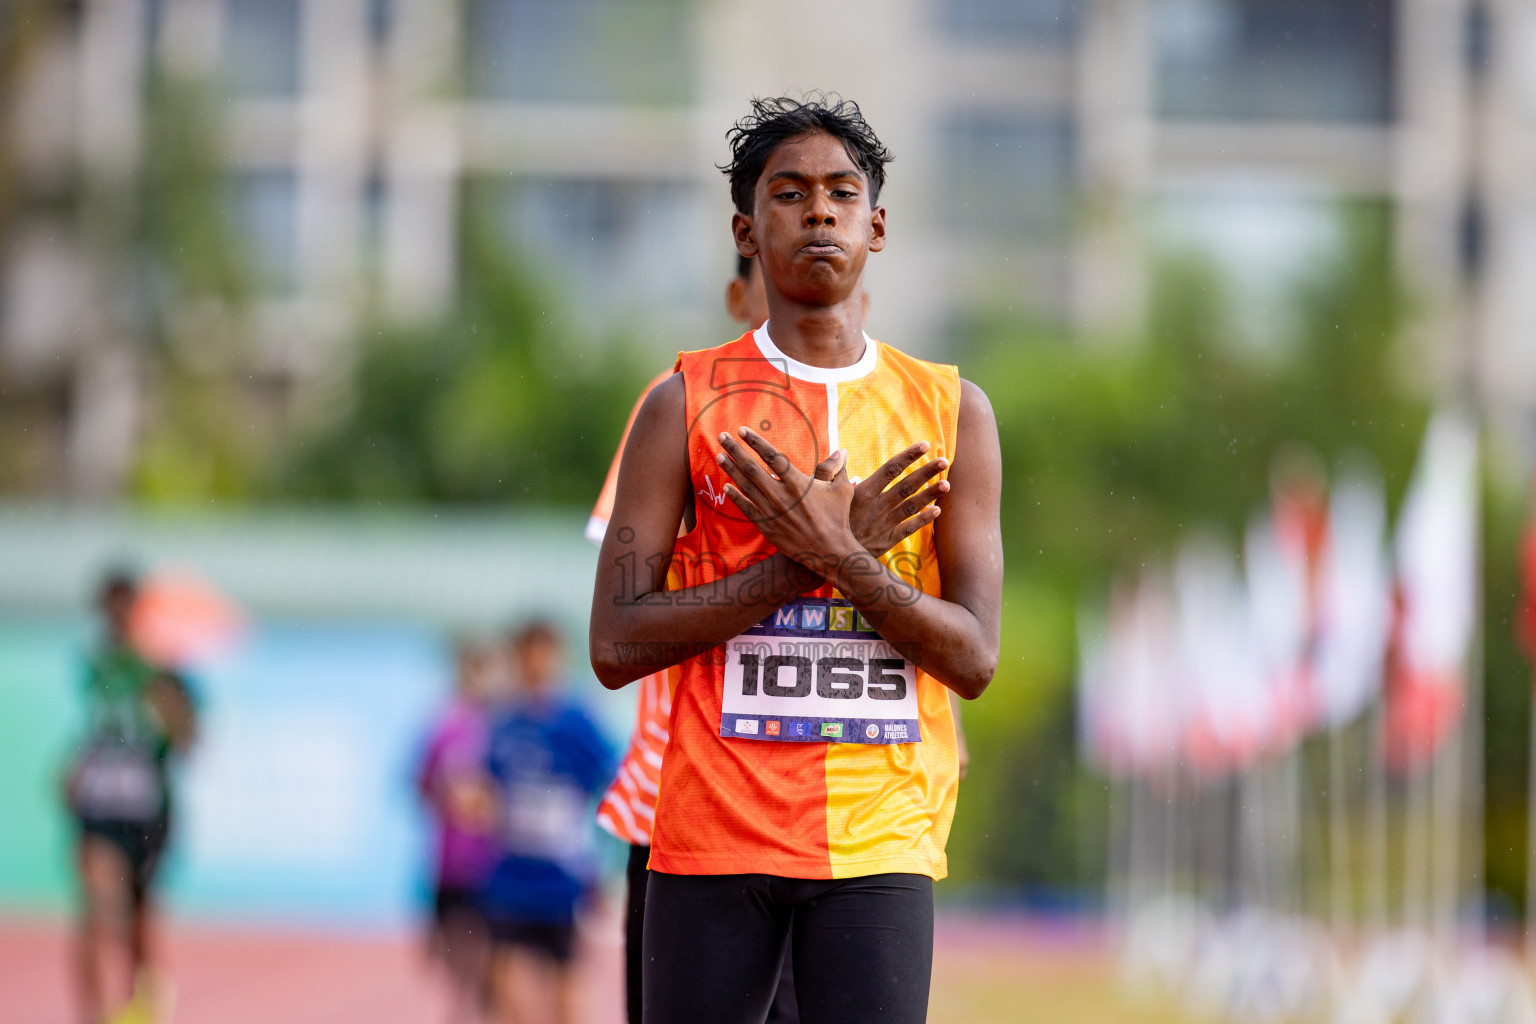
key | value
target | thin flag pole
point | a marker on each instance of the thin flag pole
(1473, 768)
(1415, 842)
(1377, 887)
(1447, 806)
(1117, 855)
(1341, 894)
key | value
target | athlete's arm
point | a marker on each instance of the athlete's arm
(638, 627)
(954, 637)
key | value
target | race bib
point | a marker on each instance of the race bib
(546, 818)
(118, 783)
(815, 672)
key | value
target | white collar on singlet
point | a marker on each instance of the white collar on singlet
(816, 374)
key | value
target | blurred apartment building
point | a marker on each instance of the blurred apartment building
(1044, 149)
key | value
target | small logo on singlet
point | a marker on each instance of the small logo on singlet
(717, 498)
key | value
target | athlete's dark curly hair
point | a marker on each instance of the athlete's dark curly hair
(780, 119)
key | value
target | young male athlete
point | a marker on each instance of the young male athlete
(809, 781)
(628, 808)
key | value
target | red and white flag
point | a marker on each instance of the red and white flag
(1437, 592)
(1355, 599)
(1278, 598)
(1230, 704)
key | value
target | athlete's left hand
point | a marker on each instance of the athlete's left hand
(889, 507)
(805, 517)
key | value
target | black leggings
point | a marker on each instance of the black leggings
(862, 947)
(784, 1009)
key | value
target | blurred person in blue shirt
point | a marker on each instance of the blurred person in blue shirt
(546, 763)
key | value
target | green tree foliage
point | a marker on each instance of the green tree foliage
(498, 401)
(205, 433)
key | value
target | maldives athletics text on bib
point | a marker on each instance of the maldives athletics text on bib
(815, 672)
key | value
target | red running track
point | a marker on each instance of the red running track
(252, 976)
(227, 976)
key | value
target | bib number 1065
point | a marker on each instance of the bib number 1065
(794, 675)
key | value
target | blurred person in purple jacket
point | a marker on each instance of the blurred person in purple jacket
(450, 769)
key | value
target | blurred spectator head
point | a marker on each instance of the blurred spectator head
(114, 599)
(479, 669)
(537, 650)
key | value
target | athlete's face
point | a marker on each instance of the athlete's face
(812, 225)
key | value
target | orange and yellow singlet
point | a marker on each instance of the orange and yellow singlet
(807, 747)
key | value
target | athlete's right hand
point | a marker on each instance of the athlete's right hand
(888, 508)
(805, 517)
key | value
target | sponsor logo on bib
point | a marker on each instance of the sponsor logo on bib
(747, 725)
(831, 728)
(772, 728)
(872, 731)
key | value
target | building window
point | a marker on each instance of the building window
(261, 47)
(381, 20)
(1009, 173)
(1309, 60)
(154, 18)
(1041, 21)
(612, 247)
(264, 213)
(604, 51)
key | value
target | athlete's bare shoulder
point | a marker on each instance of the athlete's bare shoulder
(665, 398)
(976, 442)
(974, 401)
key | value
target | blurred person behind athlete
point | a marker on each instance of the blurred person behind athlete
(546, 763)
(629, 807)
(118, 791)
(453, 756)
